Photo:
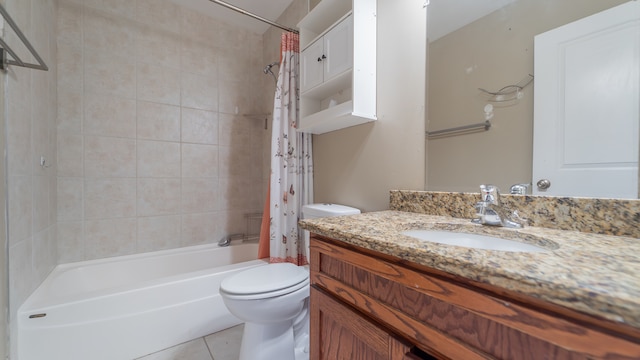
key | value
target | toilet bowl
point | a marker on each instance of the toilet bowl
(272, 301)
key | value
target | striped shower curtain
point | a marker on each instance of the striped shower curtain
(291, 182)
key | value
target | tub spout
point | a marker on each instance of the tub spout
(225, 241)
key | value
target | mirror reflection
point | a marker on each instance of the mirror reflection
(489, 45)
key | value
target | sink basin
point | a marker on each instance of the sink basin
(475, 241)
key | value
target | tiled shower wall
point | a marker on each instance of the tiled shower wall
(153, 149)
(30, 100)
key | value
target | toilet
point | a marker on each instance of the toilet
(273, 301)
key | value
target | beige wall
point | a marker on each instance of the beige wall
(30, 96)
(358, 166)
(152, 153)
(490, 53)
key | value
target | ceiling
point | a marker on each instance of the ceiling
(445, 16)
(268, 9)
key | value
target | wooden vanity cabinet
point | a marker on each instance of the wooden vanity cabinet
(366, 305)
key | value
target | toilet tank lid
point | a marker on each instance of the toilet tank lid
(326, 210)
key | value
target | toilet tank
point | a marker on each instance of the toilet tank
(312, 211)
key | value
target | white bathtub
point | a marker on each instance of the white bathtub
(129, 306)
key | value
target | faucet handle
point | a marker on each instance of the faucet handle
(519, 189)
(490, 193)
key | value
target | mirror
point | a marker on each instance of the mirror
(487, 44)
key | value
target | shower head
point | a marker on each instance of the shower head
(267, 69)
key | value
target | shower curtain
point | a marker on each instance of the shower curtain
(291, 181)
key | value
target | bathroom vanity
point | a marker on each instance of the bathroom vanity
(378, 294)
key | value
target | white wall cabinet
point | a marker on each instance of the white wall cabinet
(338, 65)
(329, 56)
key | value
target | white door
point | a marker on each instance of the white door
(587, 106)
(311, 66)
(338, 48)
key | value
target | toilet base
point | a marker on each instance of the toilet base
(268, 342)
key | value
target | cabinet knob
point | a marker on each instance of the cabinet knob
(321, 58)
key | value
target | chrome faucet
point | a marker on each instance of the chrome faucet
(489, 211)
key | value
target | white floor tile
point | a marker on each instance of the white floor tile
(192, 350)
(225, 344)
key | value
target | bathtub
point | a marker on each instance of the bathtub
(129, 306)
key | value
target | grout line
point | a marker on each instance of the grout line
(208, 348)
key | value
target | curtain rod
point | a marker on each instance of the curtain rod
(245, 12)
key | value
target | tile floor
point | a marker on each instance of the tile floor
(223, 345)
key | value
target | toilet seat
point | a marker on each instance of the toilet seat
(265, 281)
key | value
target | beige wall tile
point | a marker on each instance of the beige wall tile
(21, 273)
(234, 130)
(199, 126)
(237, 94)
(158, 232)
(234, 65)
(19, 123)
(159, 46)
(30, 115)
(40, 203)
(108, 33)
(109, 198)
(199, 58)
(112, 237)
(44, 252)
(139, 94)
(158, 196)
(69, 22)
(109, 116)
(70, 152)
(69, 118)
(109, 157)
(40, 121)
(124, 8)
(199, 195)
(112, 73)
(199, 160)
(235, 161)
(199, 92)
(70, 62)
(158, 159)
(201, 228)
(20, 208)
(161, 14)
(69, 199)
(199, 28)
(234, 223)
(70, 241)
(158, 121)
(158, 84)
(237, 193)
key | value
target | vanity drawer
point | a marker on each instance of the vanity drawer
(455, 320)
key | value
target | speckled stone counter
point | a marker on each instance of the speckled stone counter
(592, 273)
(600, 216)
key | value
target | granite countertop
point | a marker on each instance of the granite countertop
(591, 273)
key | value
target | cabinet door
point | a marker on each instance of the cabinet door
(339, 333)
(311, 66)
(338, 49)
